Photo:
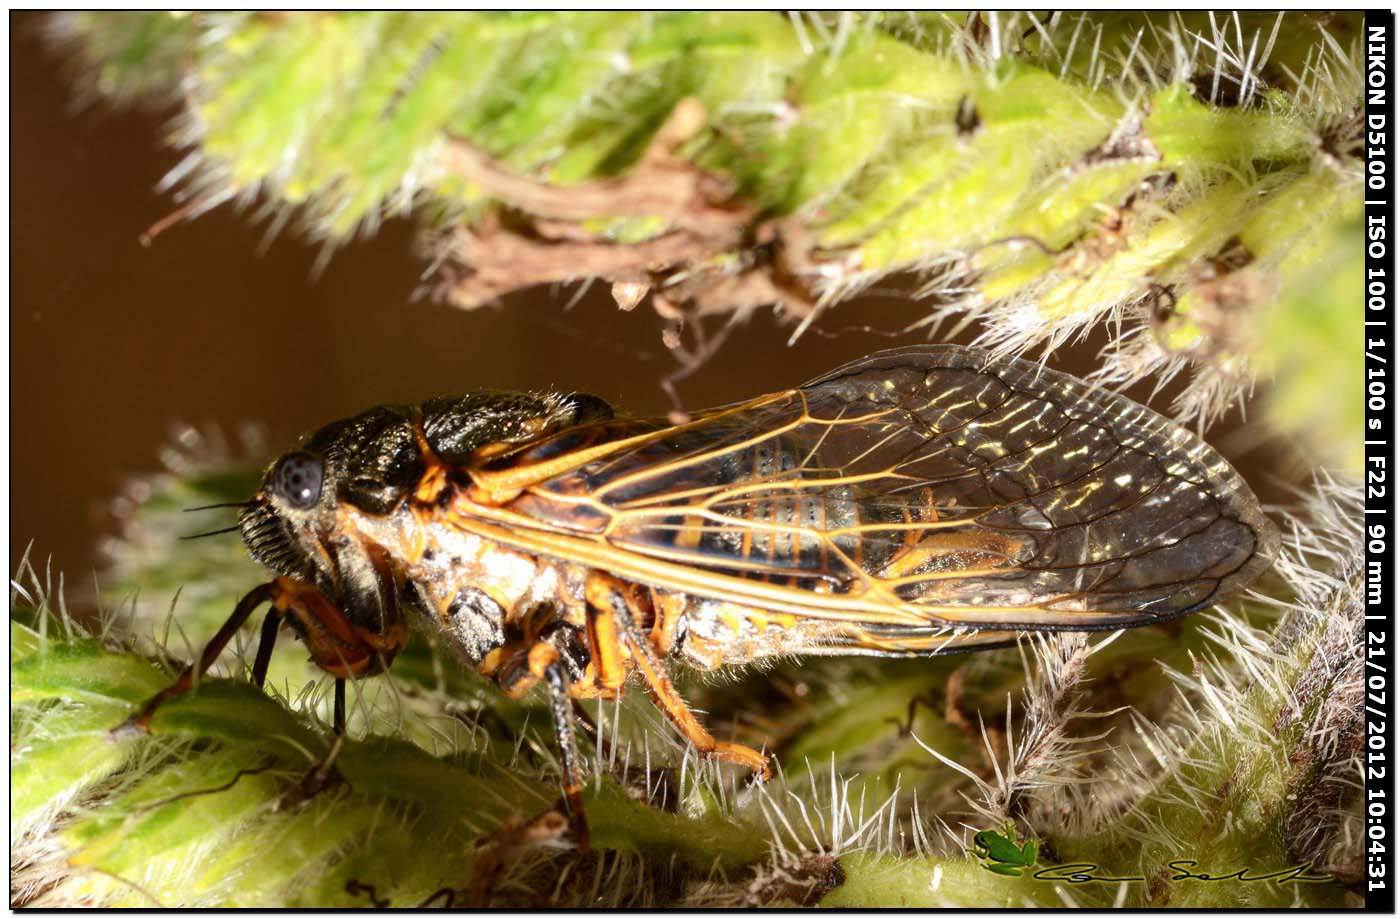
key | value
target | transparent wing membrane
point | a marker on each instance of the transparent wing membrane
(923, 489)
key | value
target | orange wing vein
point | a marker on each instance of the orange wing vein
(921, 488)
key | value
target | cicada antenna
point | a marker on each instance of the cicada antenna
(207, 507)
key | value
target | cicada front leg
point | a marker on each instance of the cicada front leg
(140, 721)
(323, 774)
(342, 649)
(337, 646)
(614, 611)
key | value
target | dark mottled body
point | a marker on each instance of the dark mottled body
(917, 501)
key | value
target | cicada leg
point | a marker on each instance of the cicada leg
(319, 775)
(609, 601)
(140, 722)
(267, 638)
(608, 652)
(561, 708)
(336, 646)
(541, 663)
(323, 774)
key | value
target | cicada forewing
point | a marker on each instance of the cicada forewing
(912, 495)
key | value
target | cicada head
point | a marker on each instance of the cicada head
(301, 522)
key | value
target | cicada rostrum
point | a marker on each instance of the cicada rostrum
(920, 501)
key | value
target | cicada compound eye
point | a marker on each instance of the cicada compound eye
(297, 479)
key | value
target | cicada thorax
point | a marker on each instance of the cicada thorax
(354, 515)
(472, 592)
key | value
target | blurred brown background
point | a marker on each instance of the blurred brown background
(113, 343)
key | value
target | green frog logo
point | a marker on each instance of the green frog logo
(1001, 854)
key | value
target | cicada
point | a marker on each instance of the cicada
(920, 501)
